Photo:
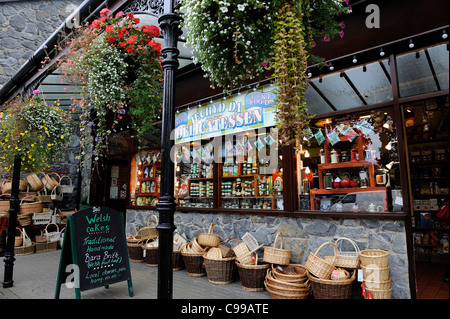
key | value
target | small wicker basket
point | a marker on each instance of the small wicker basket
(227, 251)
(30, 207)
(345, 259)
(275, 255)
(149, 232)
(35, 181)
(209, 239)
(374, 257)
(49, 182)
(320, 267)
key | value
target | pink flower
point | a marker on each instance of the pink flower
(36, 92)
(341, 34)
(104, 11)
(119, 14)
(326, 38)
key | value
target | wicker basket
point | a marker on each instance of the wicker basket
(41, 218)
(135, 252)
(252, 276)
(208, 239)
(227, 251)
(149, 232)
(177, 260)
(220, 271)
(25, 250)
(44, 247)
(30, 207)
(379, 294)
(35, 182)
(6, 187)
(280, 289)
(49, 182)
(43, 196)
(378, 285)
(331, 289)
(374, 257)
(24, 220)
(243, 254)
(375, 273)
(150, 254)
(66, 189)
(18, 240)
(293, 273)
(4, 204)
(275, 255)
(345, 259)
(320, 267)
(194, 264)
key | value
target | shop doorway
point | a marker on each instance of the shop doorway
(427, 140)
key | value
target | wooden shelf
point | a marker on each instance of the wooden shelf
(345, 190)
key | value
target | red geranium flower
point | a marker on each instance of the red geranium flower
(111, 39)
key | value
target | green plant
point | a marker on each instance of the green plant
(36, 131)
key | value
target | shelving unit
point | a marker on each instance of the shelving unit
(429, 175)
(256, 190)
(360, 163)
(148, 181)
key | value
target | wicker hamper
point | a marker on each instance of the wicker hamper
(134, 247)
(331, 289)
(252, 276)
(375, 273)
(24, 250)
(177, 260)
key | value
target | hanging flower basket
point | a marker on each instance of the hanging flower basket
(116, 61)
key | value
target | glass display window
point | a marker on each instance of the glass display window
(145, 177)
(350, 163)
(235, 171)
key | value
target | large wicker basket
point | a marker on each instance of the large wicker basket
(375, 273)
(24, 250)
(331, 289)
(209, 239)
(220, 271)
(319, 267)
(134, 247)
(252, 276)
(275, 255)
(44, 247)
(150, 254)
(49, 182)
(194, 263)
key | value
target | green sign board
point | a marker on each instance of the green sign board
(94, 252)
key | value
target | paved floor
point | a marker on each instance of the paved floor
(35, 277)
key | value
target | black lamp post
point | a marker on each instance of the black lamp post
(13, 209)
(169, 23)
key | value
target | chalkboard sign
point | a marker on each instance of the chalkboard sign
(94, 252)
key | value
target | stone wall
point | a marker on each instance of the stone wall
(24, 27)
(300, 235)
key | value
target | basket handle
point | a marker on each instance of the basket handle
(237, 240)
(326, 243)
(275, 241)
(49, 225)
(251, 252)
(148, 219)
(68, 176)
(211, 228)
(21, 232)
(351, 241)
(35, 197)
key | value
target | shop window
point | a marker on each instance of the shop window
(236, 171)
(350, 163)
(145, 179)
